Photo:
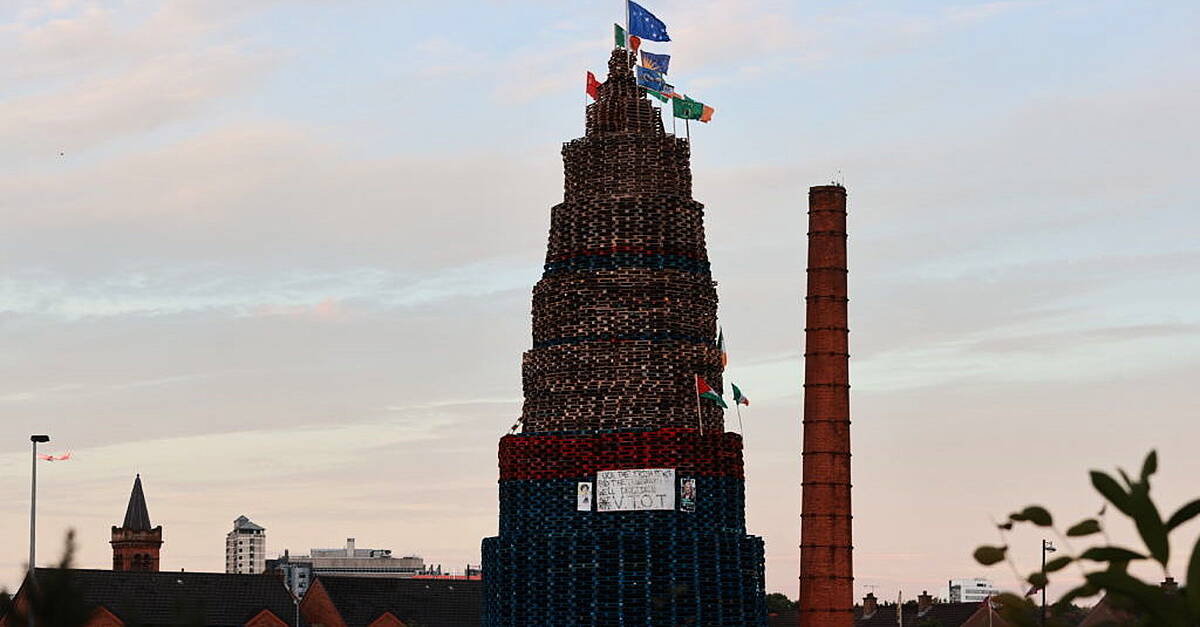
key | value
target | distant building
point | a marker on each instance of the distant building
(246, 548)
(972, 590)
(923, 611)
(135, 544)
(298, 571)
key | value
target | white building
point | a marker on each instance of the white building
(298, 571)
(245, 548)
(973, 590)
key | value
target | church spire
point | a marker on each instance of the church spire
(135, 543)
(137, 517)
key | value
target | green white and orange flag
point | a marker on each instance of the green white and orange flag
(657, 94)
(738, 397)
(619, 35)
(706, 391)
(721, 346)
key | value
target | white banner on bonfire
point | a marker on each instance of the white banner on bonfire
(635, 490)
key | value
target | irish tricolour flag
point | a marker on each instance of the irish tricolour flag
(706, 391)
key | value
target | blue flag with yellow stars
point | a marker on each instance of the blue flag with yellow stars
(642, 23)
(656, 62)
(651, 79)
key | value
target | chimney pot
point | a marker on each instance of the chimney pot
(870, 605)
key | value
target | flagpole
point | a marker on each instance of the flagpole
(688, 128)
(627, 33)
(699, 418)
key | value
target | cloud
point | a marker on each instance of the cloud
(270, 191)
(96, 73)
(214, 289)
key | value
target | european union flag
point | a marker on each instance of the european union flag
(656, 62)
(642, 23)
(651, 79)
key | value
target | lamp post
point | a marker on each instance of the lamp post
(35, 440)
(1047, 547)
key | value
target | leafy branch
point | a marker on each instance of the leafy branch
(1153, 604)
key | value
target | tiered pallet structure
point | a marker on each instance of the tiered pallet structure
(624, 318)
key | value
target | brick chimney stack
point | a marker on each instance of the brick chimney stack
(826, 572)
(924, 602)
(870, 605)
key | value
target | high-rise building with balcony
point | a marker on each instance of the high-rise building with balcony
(246, 548)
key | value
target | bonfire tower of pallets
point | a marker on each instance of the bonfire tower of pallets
(624, 320)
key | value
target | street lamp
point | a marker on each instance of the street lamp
(35, 439)
(1047, 547)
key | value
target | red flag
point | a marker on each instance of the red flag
(634, 43)
(593, 86)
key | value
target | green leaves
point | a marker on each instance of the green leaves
(1193, 580)
(1084, 528)
(1149, 524)
(1057, 564)
(1129, 494)
(1034, 514)
(1185, 513)
(1112, 491)
(988, 555)
(1147, 597)
(1080, 592)
(1136, 504)
(1110, 554)
(1150, 466)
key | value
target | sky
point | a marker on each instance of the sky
(277, 256)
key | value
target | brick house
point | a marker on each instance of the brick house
(152, 599)
(379, 602)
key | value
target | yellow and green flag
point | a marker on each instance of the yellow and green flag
(687, 109)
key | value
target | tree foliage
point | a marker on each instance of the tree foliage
(54, 599)
(1105, 568)
(777, 602)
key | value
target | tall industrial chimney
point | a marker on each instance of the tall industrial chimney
(826, 565)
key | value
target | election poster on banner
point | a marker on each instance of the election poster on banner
(635, 490)
(583, 497)
(687, 494)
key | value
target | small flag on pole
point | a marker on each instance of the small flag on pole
(652, 80)
(706, 391)
(643, 24)
(619, 35)
(657, 94)
(656, 62)
(721, 346)
(593, 86)
(738, 397)
(635, 42)
(687, 109)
